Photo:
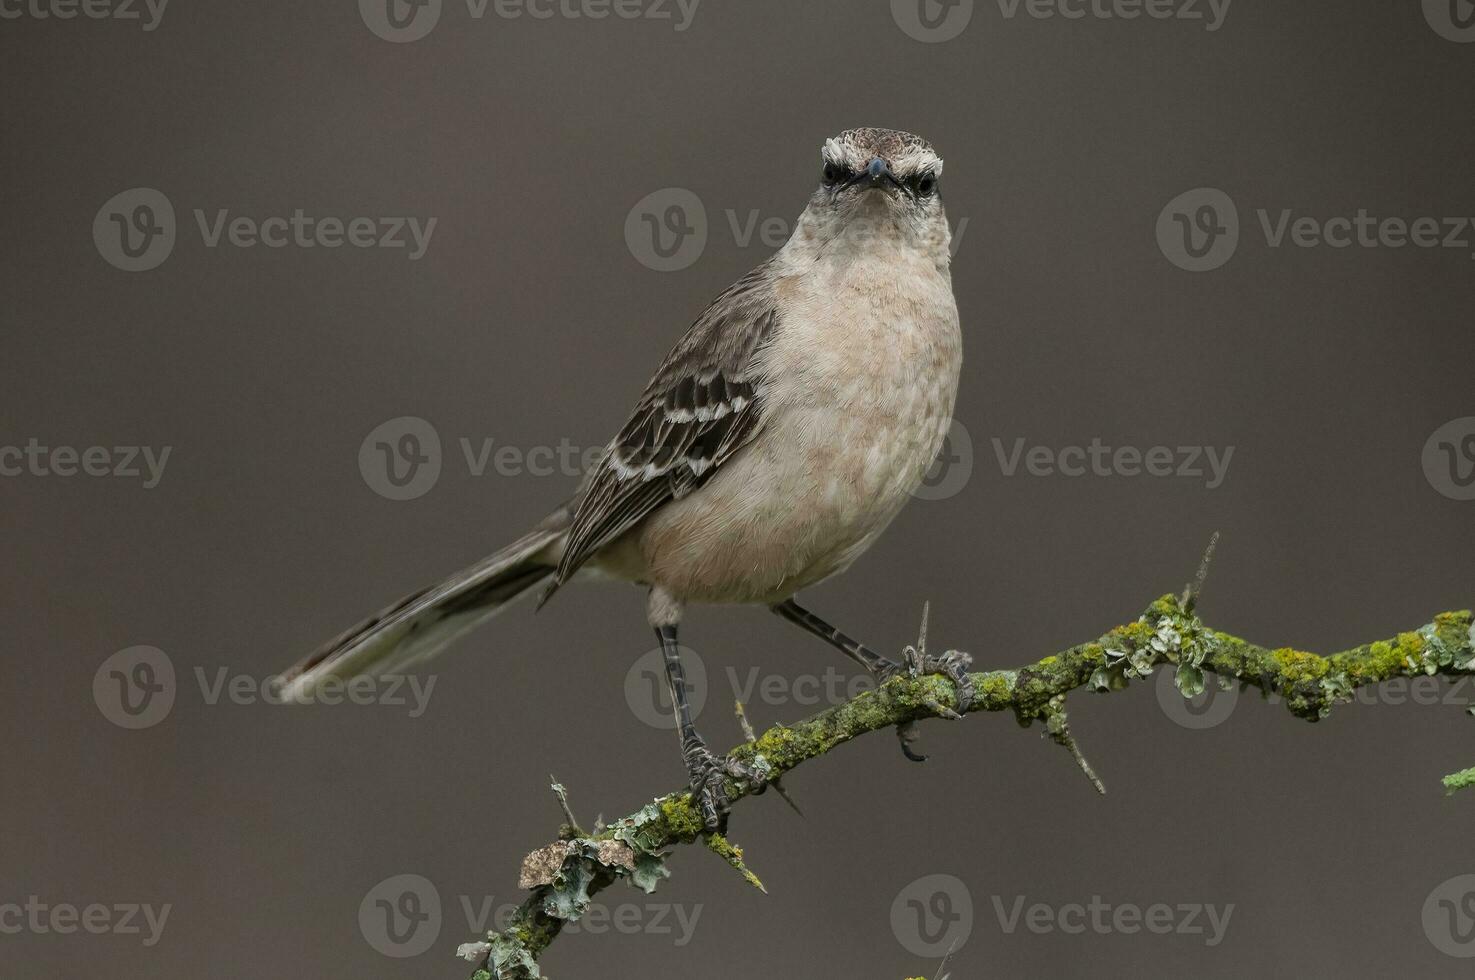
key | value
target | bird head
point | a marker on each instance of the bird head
(880, 182)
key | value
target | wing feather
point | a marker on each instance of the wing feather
(704, 403)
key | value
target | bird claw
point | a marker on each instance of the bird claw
(710, 775)
(917, 662)
(953, 664)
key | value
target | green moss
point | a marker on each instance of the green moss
(994, 690)
(733, 855)
(1382, 661)
(683, 822)
(778, 742)
(1298, 666)
(1459, 780)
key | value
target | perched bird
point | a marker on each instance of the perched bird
(773, 446)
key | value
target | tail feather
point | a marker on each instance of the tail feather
(426, 622)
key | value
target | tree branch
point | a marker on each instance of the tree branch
(566, 874)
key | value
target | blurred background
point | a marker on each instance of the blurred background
(308, 305)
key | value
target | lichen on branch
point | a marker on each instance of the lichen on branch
(564, 876)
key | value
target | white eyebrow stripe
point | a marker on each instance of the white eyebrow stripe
(912, 160)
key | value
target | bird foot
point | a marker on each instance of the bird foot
(710, 775)
(917, 662)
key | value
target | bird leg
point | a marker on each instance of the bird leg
(709, 773)
(880, 667)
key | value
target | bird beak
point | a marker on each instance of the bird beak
(878, 176)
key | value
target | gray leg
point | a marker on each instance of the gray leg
(879, 666)
(708, 773)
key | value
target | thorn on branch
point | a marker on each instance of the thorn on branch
(1058, 726)
(1196, 587)
(752, 738)
(940, 975)
(917, 662)
(574, 830)
(733, 855)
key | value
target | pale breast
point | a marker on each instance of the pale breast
(862, 374)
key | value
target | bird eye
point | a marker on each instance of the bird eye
(833, 173)
(927, 185)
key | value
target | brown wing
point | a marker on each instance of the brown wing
(704, 403)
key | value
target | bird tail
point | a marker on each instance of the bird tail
(422, 624)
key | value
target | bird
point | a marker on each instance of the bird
(772, 447)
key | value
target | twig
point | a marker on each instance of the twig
(635, 847)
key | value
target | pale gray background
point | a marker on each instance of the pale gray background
(529, 321)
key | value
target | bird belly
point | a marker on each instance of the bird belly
(849, 433)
